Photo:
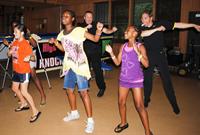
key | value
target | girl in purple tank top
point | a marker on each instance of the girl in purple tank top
(131, 54)
(131, 75)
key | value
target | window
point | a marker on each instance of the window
(101, 12)
(120, 18)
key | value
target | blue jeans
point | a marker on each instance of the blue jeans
(71, 78)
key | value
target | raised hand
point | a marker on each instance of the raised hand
(5, 42)
(99, 26)
(114, 29)
(52, 40)
(108, 49)
(27, 58)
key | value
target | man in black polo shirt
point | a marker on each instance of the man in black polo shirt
(154, 46)
(93, 51)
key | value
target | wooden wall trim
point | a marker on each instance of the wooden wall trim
(154, 8)
(130, 12)
(109, 13)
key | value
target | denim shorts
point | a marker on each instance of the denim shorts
(21, 78)
(71, 78)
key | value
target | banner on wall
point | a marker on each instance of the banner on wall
(50, 58)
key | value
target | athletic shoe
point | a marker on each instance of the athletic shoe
(71, 117)
(89, 127)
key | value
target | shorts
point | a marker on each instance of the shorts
(71, 78)
(21, 78)
(130, 84)
(33, 64)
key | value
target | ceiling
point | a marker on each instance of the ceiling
(46, 3)
(31, 3)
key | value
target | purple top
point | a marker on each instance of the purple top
(131, 70)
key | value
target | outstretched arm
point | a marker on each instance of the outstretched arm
(181, 25)
(117, 60)
(109, 31)
(147, 33)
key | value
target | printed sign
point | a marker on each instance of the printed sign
(51, 56)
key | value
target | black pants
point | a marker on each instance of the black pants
(161, 62)
(94, 60)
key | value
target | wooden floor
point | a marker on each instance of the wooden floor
(162, 119)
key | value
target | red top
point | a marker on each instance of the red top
(21, 49)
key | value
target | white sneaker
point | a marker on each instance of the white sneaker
(89, 127)
(71, 117)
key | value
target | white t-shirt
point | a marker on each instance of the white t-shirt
(75, 57)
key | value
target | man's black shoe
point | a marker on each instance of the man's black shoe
(176, 109)
(146, 102)
(101, 93)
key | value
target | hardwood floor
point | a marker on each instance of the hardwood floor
(105, 110)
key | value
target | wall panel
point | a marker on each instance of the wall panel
(186, 7)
